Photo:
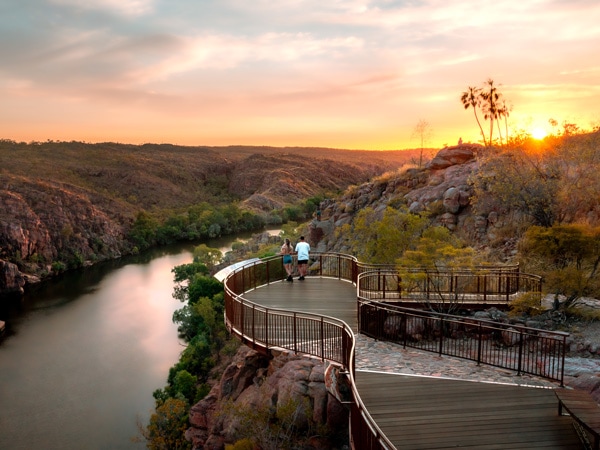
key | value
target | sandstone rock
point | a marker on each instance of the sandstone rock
(451, 200)
(254, 383)
(11, 280)
(43, 222)
(416, 207)
(452, 155)
(587, 382)
(449, 220)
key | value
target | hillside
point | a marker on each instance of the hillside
(486, 196)
(75, 203)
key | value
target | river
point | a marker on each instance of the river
(84, 352)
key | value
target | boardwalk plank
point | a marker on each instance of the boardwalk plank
(428, 413)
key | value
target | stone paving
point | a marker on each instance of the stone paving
(379, 356)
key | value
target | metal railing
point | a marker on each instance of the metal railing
(480, 286)
(324, 337)
(327, 338)
(522, 349)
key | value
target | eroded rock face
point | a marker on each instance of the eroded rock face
(442, 186)
(11, 280)
(254, 383)
(43, 222)
(451, 156)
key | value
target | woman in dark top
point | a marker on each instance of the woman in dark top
(286, 251)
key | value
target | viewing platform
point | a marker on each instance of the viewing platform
(320, 316)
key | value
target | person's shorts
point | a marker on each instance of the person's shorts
(302, 261)
(287, 259)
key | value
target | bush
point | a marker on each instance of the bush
(526, 304)
(167, 426)
(244, 444)
(58, 266)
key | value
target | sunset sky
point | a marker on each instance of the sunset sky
(353, 74)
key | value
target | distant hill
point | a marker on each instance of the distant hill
(81, 199)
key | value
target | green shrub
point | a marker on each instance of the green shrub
(526, 304)
(167, 426)
(58, 267)
(244, 444)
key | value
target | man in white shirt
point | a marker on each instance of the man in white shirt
(302, 249)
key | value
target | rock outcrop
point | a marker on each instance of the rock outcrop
(255, 388)
(42, 222)
(11, 280)
(441, 187)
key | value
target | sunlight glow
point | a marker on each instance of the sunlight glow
(539, 133)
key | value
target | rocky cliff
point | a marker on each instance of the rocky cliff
(261, 392)
(71, 204)
(42, 221)
(441, 187)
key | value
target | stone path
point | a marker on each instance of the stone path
(382, 356)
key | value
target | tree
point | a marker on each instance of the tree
(490, 105)
(471, 98)
(273, 423)
(435, 254)
(568, 257)
(504, 111)
(381, 237)
(423, 132)
(517, 179)
(553, 181)
(207, 255)
(166, 430)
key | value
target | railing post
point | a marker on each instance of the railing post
(242, 317)
(267, 344)
(268, 273)
(404, 326)
(295, 334)
(253, 319)
(520, 352)
(322, 340)
(479, 343)
(399, 285)
(485, 288)
(562, 366)
(441, 336)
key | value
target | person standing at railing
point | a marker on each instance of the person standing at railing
(302, 250)
(286, 251)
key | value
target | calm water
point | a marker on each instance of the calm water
(84, 354)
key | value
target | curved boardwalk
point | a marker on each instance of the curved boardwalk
(434, 413)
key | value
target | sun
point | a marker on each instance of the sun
(538, 133)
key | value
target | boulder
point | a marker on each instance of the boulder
(252, 384)
(11, 279)
(451, 156)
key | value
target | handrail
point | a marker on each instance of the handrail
(420, 285)
(508, 346)
(316, 335)
(252, 323)
(491, 268)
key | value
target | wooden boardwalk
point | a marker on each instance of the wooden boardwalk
(434, 413)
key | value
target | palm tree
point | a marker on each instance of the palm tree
(490, 98)
(472, 98)
(505, 110)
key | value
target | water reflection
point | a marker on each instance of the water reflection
(84, 353)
